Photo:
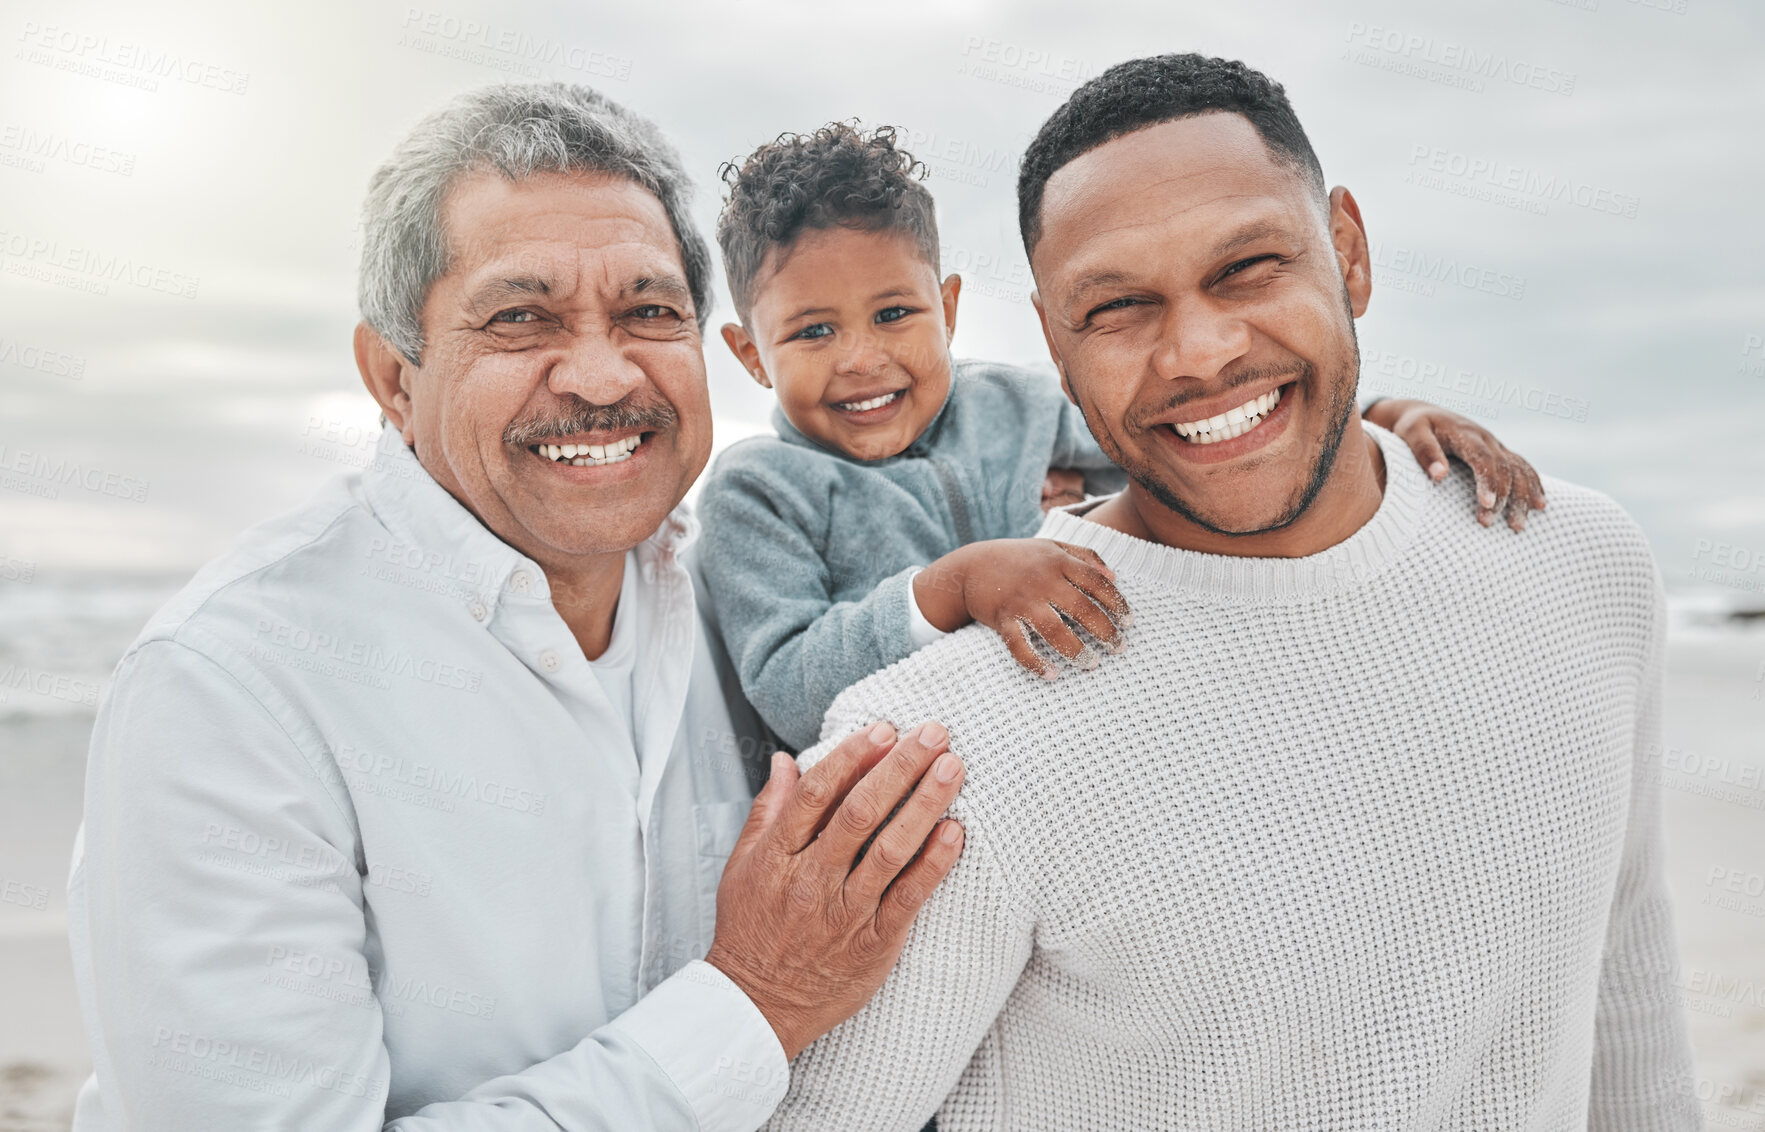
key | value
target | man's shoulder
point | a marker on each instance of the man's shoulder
(1580, 527)
(292, 556)
(967, 681)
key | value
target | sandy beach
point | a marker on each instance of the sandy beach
(1712, 772)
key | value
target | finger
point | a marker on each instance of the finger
(1087, 609)
(917, 881)
(766, 803)
(869, 803)
(1426, 445)
(1502, 482)
(1086, 555)
(1017, 642)
(814, 795)
(894, 848)
(1477, 456)
(1519, 503)
(1103, 594)
(1058, 635)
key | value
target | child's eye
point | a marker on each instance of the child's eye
(893, 314)
(813, 330)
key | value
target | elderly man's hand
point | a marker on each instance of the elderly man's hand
(809, 922)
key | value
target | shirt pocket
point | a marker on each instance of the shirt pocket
(717, 826)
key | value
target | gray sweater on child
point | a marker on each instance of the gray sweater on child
(808, 553)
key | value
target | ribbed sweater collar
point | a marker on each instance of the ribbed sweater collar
(1348, 564)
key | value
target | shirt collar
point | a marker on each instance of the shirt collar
(436, 533)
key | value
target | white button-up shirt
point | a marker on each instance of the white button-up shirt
(367, 844)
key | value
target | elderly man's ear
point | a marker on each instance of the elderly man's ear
(741, 344)
(387, 375)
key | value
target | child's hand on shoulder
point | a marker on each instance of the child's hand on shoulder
(1507, 485)
(1024, 588)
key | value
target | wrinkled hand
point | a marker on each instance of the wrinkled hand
(807, 928)
(1062, 486)
(1506, 483)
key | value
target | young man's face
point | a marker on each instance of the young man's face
(852, 329)
(563, 322)
(1201, 308)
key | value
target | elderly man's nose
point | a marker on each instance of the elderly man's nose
(595, 370)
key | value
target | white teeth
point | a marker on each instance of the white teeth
(1231, 423)
(873, 403)
(590, 455)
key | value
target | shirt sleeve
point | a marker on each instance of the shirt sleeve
(890, 1066)
(1075, 447)
(919, 629)
(794, 647)
(1642, 1058)
(214, 850)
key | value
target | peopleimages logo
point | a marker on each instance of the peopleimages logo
(1437, 268)
(1470, 66)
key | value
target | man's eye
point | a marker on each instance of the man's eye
(813, 330)
(1114, 305)
(1244, 263)
(515, 317)
(654, 311)
(893, 314)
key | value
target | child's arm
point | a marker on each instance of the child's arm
(793, 646)
(1019, 586)
(1506, 483)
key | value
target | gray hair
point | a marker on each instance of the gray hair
(517, 129)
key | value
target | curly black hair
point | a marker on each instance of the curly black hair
(1146, 92)
(838, 175)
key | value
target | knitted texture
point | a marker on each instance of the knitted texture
(1359, 840)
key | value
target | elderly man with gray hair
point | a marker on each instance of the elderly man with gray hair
(413, 809)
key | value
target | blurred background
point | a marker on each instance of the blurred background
(1562, 197)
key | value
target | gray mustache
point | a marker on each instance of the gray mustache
(623, 416)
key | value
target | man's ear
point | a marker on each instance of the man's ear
(741, 344)
(1349, 237)
(951, 290)
(387, 375)
(1053, 350)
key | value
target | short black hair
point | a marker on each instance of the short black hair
(837, 176)
(1146, 92)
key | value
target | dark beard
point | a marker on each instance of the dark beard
(625, 415)
(1340, 409)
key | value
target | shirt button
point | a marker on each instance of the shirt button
(548, 660)
(479, 611)
(521, 581)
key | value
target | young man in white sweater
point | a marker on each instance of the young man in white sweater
(1359, 832)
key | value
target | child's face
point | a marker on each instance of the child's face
(852, 318)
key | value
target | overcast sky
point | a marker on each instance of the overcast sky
(1563, 198)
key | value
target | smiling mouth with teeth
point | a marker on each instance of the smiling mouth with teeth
(1231, 423)
(589, 455)
(872, 403)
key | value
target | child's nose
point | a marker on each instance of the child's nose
(861, 353)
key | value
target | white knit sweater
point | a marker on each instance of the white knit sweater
(1360, 840)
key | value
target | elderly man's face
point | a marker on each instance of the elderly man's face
(562, 394)
(1202, 312)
